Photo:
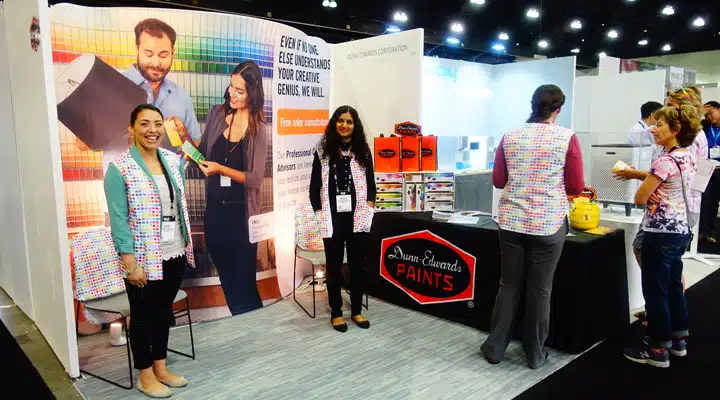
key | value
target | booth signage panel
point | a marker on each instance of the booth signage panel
(428, 268)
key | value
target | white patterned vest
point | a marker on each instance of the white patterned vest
(534, 201)
(363, 215)
(145, 211)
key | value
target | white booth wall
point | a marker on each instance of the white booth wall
(14, 274)
(38, 227)
(608, 105)
(382, 78)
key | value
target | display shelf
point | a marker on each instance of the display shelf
(415, 191)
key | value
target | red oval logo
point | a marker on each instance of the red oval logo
(408, 129)
(387, 153)
(408, 154)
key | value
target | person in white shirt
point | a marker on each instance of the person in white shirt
(640, 133)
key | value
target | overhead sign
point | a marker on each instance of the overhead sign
(428, 268)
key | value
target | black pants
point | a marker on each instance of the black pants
(334, 253)
(709, 207)
(235, 258)
(528, 266)
(151, 314)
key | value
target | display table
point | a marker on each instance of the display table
(614, 217)
(452, 271)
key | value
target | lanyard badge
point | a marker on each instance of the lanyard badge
(343, 200)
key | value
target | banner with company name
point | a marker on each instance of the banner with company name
(428, 268)
(206, 72)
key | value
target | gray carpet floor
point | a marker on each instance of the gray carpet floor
(279, 353)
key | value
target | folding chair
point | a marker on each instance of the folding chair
(309, 246)
(100, 287)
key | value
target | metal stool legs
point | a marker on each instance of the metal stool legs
(313, 283)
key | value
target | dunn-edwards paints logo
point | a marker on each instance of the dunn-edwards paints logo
(428, 268)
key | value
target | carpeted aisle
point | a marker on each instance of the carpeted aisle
(16, 370)
(603, 372)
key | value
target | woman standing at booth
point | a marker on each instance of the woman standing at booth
(342, 193)
(667, 236)
(149, 221)
(538, 166)
(235, 145)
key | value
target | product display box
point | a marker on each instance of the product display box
(387, 154)
(428, 153)
(411, 153)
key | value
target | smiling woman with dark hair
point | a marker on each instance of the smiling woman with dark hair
(342, 193)
(235, 144)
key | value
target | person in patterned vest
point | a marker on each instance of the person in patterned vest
(342, 194)
(537, 166)
(149, 221)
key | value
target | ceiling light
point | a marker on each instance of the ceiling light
(643, 42)
(602, 54)
(453, 40)
(575, 51)
(543, 44)
(457, 27)
(498, 47)
(333, 4)
(699, 22)
(477, 2)
(400, 16)
(577, 25)
(668, 10)
(533, 13)
(667, 47)
(503, 36)
(326, 3)
(612, 34)
(393, 29)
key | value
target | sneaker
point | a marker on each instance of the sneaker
(646, 355)
(678, 349)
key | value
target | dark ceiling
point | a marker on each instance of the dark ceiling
(353, 19)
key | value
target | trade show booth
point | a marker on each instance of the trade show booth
(435, 207)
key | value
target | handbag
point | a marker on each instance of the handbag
(691, 236)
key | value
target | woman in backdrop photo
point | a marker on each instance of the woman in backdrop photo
(667, 236)
(342, 194)
(235, 145)
(145, 192)
(537, 166)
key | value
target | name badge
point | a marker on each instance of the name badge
(344, 203)
(168, 229)
(225, 181)
(715, 152)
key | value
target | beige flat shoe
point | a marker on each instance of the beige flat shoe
(157, 394)
(178, 382)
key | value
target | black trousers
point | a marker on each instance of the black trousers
(235, 258)
(151, 314)
(709, 207)
(334, 253)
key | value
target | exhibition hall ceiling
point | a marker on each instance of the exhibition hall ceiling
(619, 28)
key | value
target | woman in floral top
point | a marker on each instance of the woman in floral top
(667, 236)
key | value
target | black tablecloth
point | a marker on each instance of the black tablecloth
(589, 298)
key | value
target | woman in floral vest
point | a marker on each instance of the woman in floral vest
(342, 194)
(537, 166)
(149, 221)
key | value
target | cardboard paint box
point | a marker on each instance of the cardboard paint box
(428, 153)
(411, 153)
(388, 153)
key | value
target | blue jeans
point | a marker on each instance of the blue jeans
(662, 268)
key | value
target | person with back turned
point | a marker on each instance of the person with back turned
(537, 166)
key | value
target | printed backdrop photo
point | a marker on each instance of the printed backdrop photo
(196, 67)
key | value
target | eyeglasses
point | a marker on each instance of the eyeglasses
(683, 91)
